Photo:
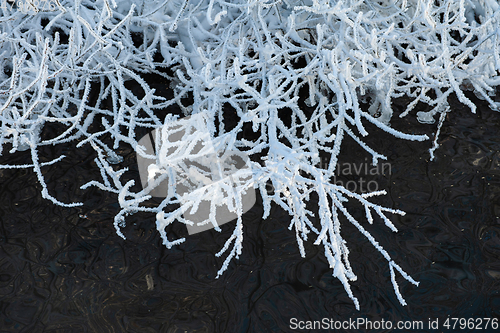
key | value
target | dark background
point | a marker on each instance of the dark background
(66, 270)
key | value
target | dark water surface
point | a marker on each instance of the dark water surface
(66, 270)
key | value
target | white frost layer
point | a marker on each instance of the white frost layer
(256, 57)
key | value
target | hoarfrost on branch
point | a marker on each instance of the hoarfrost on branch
(254, 56)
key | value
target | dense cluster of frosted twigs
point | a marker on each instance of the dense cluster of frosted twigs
(253, 56)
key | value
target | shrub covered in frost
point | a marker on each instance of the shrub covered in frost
(256, 58)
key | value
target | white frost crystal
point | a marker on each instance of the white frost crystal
(257, 58)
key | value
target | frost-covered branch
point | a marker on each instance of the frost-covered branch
(294, 75)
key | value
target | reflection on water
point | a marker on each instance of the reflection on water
(66, 270)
